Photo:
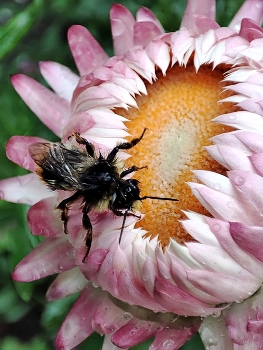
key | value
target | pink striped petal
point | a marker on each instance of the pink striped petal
(212, 282)
(180, 302)
(222, 232)
(44, 220)
(248, 238)
(52, 256)
(180, 278)
(87, 52)
(17, 151)
(62, 80)
(52, 110)
(122, 23)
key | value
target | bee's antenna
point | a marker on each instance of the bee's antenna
(161, 198)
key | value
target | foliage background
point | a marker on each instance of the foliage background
(33, 31)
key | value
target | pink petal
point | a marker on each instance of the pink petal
(172, 339)
(257, 161)
(247, 261)
(122, 23)
(80, 122)
(144, 32)
(133, 333)
(244, 322)
(108, 318)
(214, 333)
(26, 189)
(231, 139)
(141, 63)
(44, 220)
(252, 105)
(241, 120)
(52, 256)
(66, 283)
(179, 274)
(212, 283)
(17, 151)
(204, 24)
(215, 259)
(87, 52)
(178, 301)
(248, 238)
(107, 344)
(204, 8)
(250, 30)
(223, 206)
(251, 140)
(77, 325)
(52, 110)
(230, 158)
(159, 52)
(62, 80)
(251, 186)
(247, 89)
(146, 15)
(252, 9)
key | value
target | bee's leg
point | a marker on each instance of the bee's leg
(131, 170)
(63, 206)
(126, 213)
(87, 225)
(125, 145)
(82, 141)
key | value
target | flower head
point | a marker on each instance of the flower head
(198, 91)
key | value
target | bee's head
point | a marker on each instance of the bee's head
(127, 192)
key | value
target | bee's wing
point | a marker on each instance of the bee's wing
(55, 165)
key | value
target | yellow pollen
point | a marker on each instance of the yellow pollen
(177, 111)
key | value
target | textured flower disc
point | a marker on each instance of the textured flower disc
(177, 111)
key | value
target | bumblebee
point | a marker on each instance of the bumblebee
(98, 181)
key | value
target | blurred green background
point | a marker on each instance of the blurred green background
(33, 31)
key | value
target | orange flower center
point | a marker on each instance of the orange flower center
(177, 111)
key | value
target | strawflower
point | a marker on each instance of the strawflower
(185, 266)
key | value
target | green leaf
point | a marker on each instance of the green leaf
(11, 343)
(15, 29)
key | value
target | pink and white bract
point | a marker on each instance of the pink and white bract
(137, 290)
